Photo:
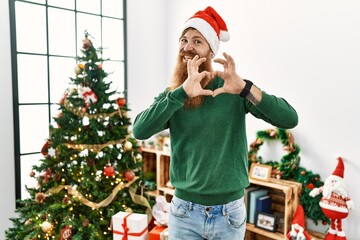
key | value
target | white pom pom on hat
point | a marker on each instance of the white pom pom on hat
(210, 24)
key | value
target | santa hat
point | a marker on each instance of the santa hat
(338, 174)
(298, 226)
(210, 24)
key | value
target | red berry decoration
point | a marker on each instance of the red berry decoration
(121, 102)
(129, 175)
(303, 173)
(109, 171)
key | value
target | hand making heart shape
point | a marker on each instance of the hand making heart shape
(233, 83)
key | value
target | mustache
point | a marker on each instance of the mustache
(187, 53)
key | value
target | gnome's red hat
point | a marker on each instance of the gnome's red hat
(338, 173)
(210, 24)
(298, 225)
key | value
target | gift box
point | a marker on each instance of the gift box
(130, 226)
(164, 235)
(155, 233)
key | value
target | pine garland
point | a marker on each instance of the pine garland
(288, 168)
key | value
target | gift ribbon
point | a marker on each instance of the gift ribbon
(126, 230)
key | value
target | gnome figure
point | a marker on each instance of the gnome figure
(335, 202)
(298, 231)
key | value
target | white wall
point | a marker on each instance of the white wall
(305, 51)
(7, 179)
(146, 57)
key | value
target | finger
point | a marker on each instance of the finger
(194, 59)
(218, 91)
(207, 93)
(188, 66)
(218, 73)
(200, 61)
(229, 59)
(219, 60)
(212, 75)
(204, 74)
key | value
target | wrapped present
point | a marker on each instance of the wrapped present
(130, 226)
(164, 235)
(155, 233)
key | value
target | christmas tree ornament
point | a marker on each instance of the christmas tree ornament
(66, 233)
(78, 69)
(85, 121)
(88, 95)
(121, 101)
(28, 222)
(139, 157)
(46, 175)
(51, 152)
(335, 202)
(109, 171)
(85, 222)
(40, 197)
(86, 43)
(128, 146)
(44, 149)
(129, 175)
(129, 210)
(90, 162)
(46, 226)
(298, 231)
(66, 200)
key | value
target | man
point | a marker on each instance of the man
(205, 111)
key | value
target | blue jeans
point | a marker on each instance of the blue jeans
(191, 221)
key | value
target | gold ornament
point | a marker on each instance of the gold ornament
(139, 157)
(128, 146)
(46, 226)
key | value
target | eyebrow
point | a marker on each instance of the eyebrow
(195, 37)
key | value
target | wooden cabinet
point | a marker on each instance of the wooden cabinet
(158, 161)
(288, 192)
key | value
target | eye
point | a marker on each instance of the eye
(183, 40)
(198, 42)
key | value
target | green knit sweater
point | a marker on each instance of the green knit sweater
(209, 163)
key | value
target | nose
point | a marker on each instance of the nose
(188, 46)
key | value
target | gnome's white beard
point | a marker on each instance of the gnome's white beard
(333, 186)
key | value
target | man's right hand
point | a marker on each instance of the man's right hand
(192, 85)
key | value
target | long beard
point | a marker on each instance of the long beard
(337, 188)
(181, 74)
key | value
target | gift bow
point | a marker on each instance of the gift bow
(126, 230)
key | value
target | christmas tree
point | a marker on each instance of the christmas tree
(91, 164)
